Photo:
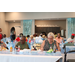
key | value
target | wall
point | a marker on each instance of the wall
(60, 23)
(66, 28)
(13, 24)
(3, 24)
(37, 15)
(33, 27)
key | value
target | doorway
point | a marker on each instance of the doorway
(18, 29)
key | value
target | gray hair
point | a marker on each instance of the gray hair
(51, 34)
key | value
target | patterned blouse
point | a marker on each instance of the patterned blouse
(47, 45)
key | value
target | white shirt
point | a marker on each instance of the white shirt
(70, 40)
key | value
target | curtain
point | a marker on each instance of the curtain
(27, 26)
(71, 26)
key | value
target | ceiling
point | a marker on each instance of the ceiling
(53, 19)
(14, 21)
(38, 19)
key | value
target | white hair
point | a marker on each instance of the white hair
(31, 36)
(51, 34)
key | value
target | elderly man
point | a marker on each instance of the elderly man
(59, 39)
(70, 40)
(49, 43)
(23, 44)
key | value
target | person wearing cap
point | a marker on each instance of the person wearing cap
(70, 40)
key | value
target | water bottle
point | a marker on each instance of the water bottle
(30, 48)
(54, 49)
(11, 49)
(18, 48)
(62, 43)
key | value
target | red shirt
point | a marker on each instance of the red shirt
(0, 35)
(18, 39)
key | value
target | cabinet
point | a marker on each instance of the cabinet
(47, 29)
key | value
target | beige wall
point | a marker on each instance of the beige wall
(60, 23)
(33, 27)
(3, 24)
(37, 15)
(13, 24)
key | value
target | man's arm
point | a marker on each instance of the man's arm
(42, 45)
(17, 45)
(63, 40)
(58, 46)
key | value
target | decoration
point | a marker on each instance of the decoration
(71, 26)
(27, 25)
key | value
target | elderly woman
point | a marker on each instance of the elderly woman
(50, 42)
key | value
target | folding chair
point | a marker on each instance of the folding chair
(65, 53)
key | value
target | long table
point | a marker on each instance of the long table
(69, 55)
(29, 58)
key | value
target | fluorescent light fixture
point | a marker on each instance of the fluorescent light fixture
(47, 26)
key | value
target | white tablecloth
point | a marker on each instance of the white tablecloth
(28, 58)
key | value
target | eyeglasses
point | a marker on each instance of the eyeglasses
(50, 38)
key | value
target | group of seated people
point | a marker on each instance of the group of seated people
(47, 41)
